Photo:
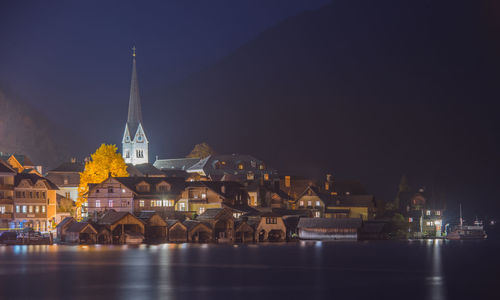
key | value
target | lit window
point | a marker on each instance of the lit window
(37, 209)
(98, 203)
(123, 190)
(110, 203)
(318, 203)
(18, 209)
(203, 196)
(141, 203)
(30, 209)
(201, 210)
(182, 206)
(309, 203)
(317, 214)
(25, 209)
(410, 220)
(2, 209)
(301, 203)
(266, 176)
(438, 213)
(236, 215)
(261, 167)
(428, 212)
(43, 208)
(240, 166)
(428, 223)
(168, 203)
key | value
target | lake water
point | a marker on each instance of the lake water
(305, 270)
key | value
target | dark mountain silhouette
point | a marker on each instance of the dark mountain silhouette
(366, 89)
(24, 130)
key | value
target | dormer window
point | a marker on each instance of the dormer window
(163, 187)
(144, 187)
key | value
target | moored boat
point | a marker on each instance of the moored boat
(467, 232)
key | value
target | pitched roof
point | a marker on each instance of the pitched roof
(171, 223)
(145, 215)
(33, 178)
(66, 221)
(190, 224)
(134, 105)
(175, 164)
(350, 200)
(78, 227)
(329, 223)
(210, 213)
(227, 189)
(144, 170)
(5, 168)
(176, 183)
(70, 167)
(112, 216)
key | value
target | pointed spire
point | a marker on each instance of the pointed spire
(134, 105)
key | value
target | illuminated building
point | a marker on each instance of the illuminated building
(134, 142)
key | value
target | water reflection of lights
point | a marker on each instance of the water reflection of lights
(435, 282)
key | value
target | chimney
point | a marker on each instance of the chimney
(329, 183)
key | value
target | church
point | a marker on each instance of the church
(134, 142)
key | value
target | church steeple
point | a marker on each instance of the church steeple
(134, 143)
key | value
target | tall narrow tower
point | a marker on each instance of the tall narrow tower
(134, 143)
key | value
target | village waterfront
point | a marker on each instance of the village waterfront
(419, 269)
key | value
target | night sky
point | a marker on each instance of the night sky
(368, 90)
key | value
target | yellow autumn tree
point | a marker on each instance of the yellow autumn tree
(105, 161)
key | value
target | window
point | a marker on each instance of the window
(110, 190)
(31, 194)
(141, 203)
(203, 196)
(266, 176)
(261, 167)
(168, 203)
(98, 203)
(123, 190)
(201, 210)
(43, 208)
(65, 180)
(24, 194)
(182, 206)
(2, 209)
(410, 220)
(309, 203)
(271, 221)
(110, 203)
(30, 208)
(18, 194)
(318, 203)
(237, 215)
(428, 223)
(317, 214)
(37, 194)
(438, 213)
(240, 166)
(97, 190)
(25, 209)
(143, 188)
(164, 188)
(428, 212)
(43, 195)
(37, 209)
(301, 203)
(67, 195)
(18, 209)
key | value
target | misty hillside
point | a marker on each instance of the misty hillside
(367, 89)
(25, 131)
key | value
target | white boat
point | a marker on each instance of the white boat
(465, 232)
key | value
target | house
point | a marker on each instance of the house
(225, 167)
(67, 178)
(350, 206)
(7, 175)
(294, 186)
(198, 231)
(177, 231)
(198, 196)
(155, 230)
(144, 170)
(122, 226)
(312, 199)
(266, 194)
(329, 229)
(80, 233)
(243, 232)
(424, 212)
(21, 163)
(135, 194)
(269, 226)
(63, 226)
(35, 202)
(221, 221)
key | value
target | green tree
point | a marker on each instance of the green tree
(201, 151)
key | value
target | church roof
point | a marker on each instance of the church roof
(176, 163)
(134, 104)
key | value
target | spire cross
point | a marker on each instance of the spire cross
(133, 51)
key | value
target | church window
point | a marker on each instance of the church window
(139, 138)
(127, 154)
